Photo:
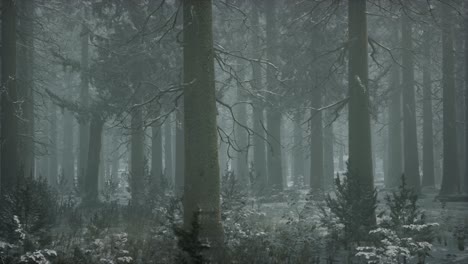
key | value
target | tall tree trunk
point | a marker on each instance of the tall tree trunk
(68, 164)
(466, 95)
(298, 156)
(316, 141)
(410, 139)
(275, 180)
(328, 163)
(180, 153)
(242, 163)
(25, 86)
(360, 151)
(428, 135)
(450, 179)
(9, 123)
(259, 158)
(156, 155)
(137, 161)
(202, 181)
(168, 163)
(53, 166)
(395, 154)
(94, 159)
(84, 99)
(115, 158)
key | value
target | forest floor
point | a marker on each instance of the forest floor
(452, 218)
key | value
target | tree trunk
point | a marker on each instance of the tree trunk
(450, 179)
(410, 147)
(395, 154)
(259, 158)
(156, 155)
(360, 156)
(168, 163)
(466, 95)
(275, 177)
(328, 163)
(84, 98)
(9, 122)
(298, 157)
(242, 163)
(115, 158)
(202, 181)
(428, 135)
(68, 164)
(316, 142)
(25, 86)
(53, 166)
(180, 154)
(94, 159)
(137, 160)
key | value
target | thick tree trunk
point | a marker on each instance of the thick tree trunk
(137, 161)
(25, 86)
(168, 163)
(84, 98)
(410, 139)
(450, 179)
(156, 155)
(9, 123)
(395, 154)
(180, 154)
(316, 142)
(360, 151)
(259, 157)
(428, 135)
(94, 159)
(202, 181)
(275, 175)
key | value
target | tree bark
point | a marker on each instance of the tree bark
(450, 179)
(259, 158)
(298, 157)
(395, 154)
(328, 161)
(410, 139)
(84, 101)
(275, 175)
(180, 153)
(242, 163)
(202, 181)
(25, 86)
(53, 164)
(428, 134)
(316, 142)
(9, 123)
(137, 161)
(466, 94)
(68, 164)
(94, 159)
(360, 156)
(156, 155)
(168, 162)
